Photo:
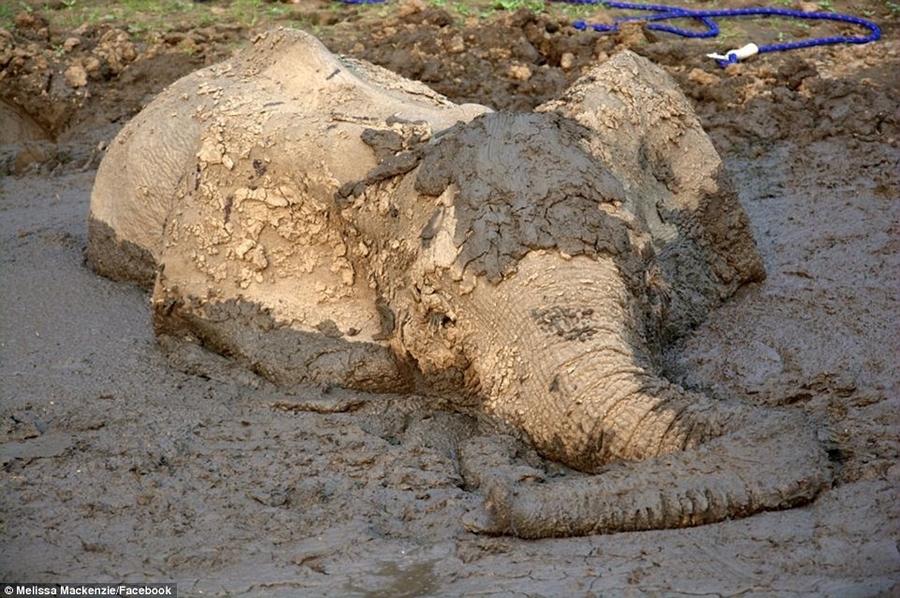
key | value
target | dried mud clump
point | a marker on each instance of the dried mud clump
(75, 88)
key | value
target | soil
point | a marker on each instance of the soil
(117, 466)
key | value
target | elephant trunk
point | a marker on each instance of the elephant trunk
(767, 461)
(558, 352)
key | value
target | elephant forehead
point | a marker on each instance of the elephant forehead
(519, 155)
(524, 182)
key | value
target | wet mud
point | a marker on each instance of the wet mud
(118, 465)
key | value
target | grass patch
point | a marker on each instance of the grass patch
(8, 10)
(144, 16)
(534, 5)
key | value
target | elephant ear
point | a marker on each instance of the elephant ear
(644, 129)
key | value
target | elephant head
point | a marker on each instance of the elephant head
(522, 266)
(324, 220)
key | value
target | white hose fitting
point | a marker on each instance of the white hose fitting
(741, 53)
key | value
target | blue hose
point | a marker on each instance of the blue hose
(706, 16)
(663, 13)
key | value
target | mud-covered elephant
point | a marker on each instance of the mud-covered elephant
(323, 220)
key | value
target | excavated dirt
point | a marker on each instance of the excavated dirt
(119, 466)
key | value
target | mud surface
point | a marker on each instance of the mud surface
(119, 466)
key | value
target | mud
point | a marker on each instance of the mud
(118, 466)
(529, 190)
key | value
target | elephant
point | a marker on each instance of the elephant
(322, 220)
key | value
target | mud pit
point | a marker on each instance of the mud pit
(118, 466)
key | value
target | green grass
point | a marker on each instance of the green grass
(8, 10)
(486, 9)
(535, 5)
(143, 16)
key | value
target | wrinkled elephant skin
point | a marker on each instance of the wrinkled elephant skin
(323, 220)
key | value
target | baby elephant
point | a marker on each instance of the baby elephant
(323, 220)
